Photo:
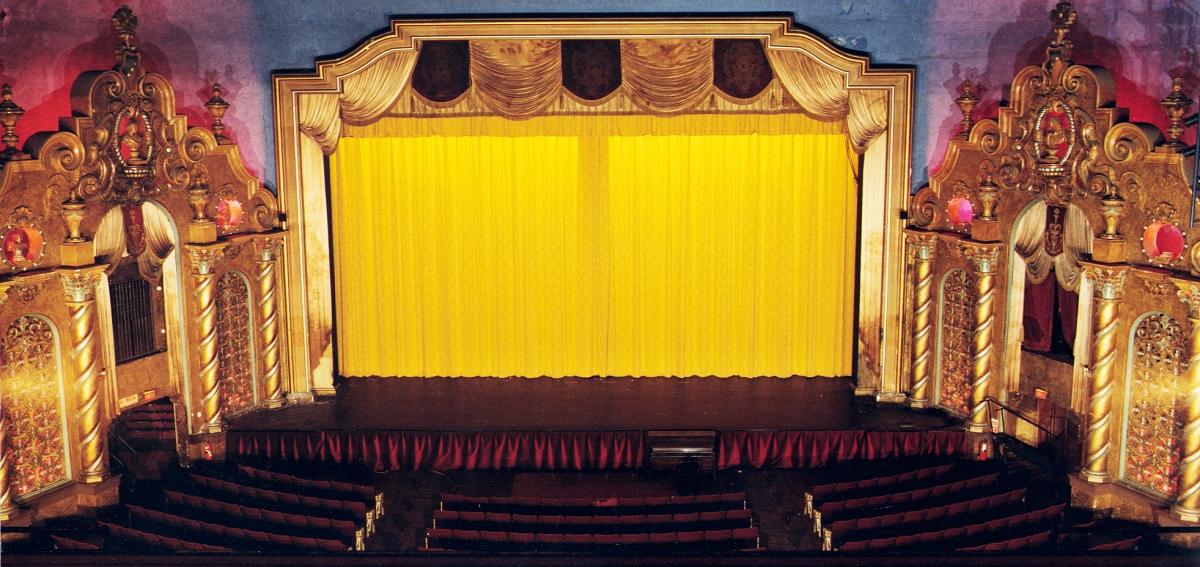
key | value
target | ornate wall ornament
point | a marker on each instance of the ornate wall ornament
(1156, 285)
(26, 291)
(232, 251)
(1189, 294)
(35, 448)
(22, 241)
(923, 211)
(1109, 281)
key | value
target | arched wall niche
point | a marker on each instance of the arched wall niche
(310, 109)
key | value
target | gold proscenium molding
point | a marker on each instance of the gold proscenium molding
(1187, 502)
(1109, 282)
(203, 262)
(268, 316)
(983, 258)
(80, 288)
(922, 246)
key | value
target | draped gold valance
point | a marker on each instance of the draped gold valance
(523, 78)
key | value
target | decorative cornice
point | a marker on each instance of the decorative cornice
(1109, 281)
(983, 257)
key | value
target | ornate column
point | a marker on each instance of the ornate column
(983, 259)
(1187, 502)
(1108, 284)
(268, 321)
(7, 506)
(80, 288)
(922, 245)
(203, 263)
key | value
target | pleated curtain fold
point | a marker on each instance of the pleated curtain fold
(364, 98)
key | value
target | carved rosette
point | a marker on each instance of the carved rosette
(1109, 285)
(268, 315)
(922, 245)
(80, 289)
(1187, 501)
(983, 259)
(203, 262)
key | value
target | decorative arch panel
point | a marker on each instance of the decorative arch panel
(235, 360)
(957, 324)
(31, 396)
(1155, 412)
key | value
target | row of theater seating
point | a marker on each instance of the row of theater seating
(155, 540)
(334, 487)
(1119, 545)
(933, 533)
(629, 523)
(250, 537)
(819, 492)
(842, 526)
(349, 508)
(742, 538)
(1008, 544)
(345, 529)
(610, 506)
(865, 504)
(70, 544)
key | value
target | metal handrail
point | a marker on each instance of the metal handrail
(1057, 441)
(1020, 415)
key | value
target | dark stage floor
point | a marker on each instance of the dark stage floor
(545, 404)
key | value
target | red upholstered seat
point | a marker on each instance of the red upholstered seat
(665, 538)
(503, 500)
(549, 539)
(931, 536)
(493, 537)
(550, 520)
(631, 519)
(876, 501)
(1042, 538)
(689, 537)
(682, 500)
(660, 518)
(472, 516)
(576, 520)
(527, 501)
(740, 515)
(881, 543)
(713, 516)
(524, 519)
(997, 524)
(957, 509)
(578, 539)
(521, 537)
(891, 520)
(913, 516)
(497, 517)
(634, 539)
(996, 546)
(731, 497)
(708, 498)
(976, 529)
(935, 513)
(955, 532)
(689, 518)
(465, 535)
(718, 535)
(906, 540)
(870, 523)
(607, 539)
(279, 539)
(853, 546)
(605, 520)
(658, 500)
(901, 497)
(258, 536)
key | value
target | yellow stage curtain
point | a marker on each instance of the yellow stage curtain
(645, 246)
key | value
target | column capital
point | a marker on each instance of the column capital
(983, 256)
(1189, 294)
(921, 243)
(80, 285)
(267, 248)
(1109, 280)
(204, 259)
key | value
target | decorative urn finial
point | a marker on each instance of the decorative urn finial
(1058, 53)
(216, 108)
(10, 113)
(966, 103)
(1176, 104)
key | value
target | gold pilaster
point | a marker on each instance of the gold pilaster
(1187, 502)
(983, 259)
(203, 263)
(80, 288)
(7, 506)
(268, 326)
(922, 245)
(1109, 282)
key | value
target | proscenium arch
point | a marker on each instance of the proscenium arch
(885, 183)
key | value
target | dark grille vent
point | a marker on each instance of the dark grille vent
(133, 319)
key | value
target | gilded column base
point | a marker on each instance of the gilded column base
(8, 512)
(1095, 478)
(275, 403)
(95, 478)
(918, 404)
(211, 428)
(891, 397)
(976, 428)
(1186, 514)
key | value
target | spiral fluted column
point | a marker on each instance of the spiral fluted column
(203, 262)
(1187, 501)
(1108, 290)
(983, 259)
(268, 326)
(7, 506)
(80, 288)
(922, 245)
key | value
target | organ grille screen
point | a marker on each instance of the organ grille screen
(133, 319)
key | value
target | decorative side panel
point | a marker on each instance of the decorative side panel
(1155, 415)
(958, 301)
(234, 371)
(33, 413)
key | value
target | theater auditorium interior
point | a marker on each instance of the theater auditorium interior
(600, 283)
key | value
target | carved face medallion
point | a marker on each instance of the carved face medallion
(22, 246)
(132, 144)
(1054, 139)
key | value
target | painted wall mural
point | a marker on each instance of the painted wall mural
(954, 389)
(1155, 416)
(33, 413)
(234, 362)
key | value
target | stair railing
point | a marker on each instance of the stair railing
(1053, 443)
